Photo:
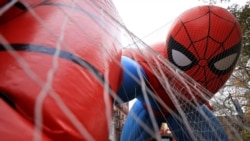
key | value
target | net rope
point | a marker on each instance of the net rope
(161, 68)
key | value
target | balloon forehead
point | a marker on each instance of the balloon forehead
(206, 30)
(204, 35)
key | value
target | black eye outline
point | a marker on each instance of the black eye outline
(234, 50)
(174, 45)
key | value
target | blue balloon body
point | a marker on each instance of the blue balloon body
(201, 123)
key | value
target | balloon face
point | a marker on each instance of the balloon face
(205, 43)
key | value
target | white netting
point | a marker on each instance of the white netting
(175, 83)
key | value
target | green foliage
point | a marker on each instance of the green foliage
(243, 15)
(246, 134)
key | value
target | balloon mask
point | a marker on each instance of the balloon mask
(205, 43)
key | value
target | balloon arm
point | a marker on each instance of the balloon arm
(131, 86)
(191, 126)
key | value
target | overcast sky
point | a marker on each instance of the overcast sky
(149, 19)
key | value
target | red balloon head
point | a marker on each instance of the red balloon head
(205, 43)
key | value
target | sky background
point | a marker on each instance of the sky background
(150, 19)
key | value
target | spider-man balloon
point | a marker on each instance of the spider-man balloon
(204, 43)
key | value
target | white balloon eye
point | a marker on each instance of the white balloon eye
(180, 59)
(226, 62)
(180, 56)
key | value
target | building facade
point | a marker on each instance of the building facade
(119, 116)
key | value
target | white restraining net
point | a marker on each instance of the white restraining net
(234, 125)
